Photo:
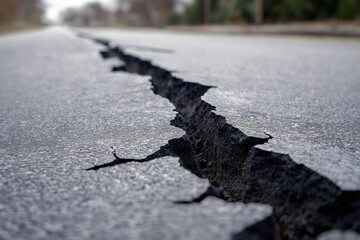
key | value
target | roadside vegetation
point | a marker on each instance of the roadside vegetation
(18, 15)
(22, 14)
(196, 12)
(272, 11)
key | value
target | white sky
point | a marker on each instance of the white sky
(54, 7)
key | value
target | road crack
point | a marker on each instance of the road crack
(304, 203)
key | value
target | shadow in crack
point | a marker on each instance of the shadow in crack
(264, 229)
(119, 68)
(304, 203)
(211, 191)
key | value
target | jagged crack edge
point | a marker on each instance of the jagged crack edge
(227, 157)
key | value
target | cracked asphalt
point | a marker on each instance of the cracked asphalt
(62, 110)
(303, 91)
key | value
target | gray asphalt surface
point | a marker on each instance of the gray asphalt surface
(303, 91)
(62, 110)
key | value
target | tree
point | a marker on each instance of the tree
(8, 11)
(92, 14)
(145, 12)
(96, 14)
(30, 11)
(12, 11)
(348, 9)
(259, 11)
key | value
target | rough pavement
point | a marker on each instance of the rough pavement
(302, 91)
(60, 119)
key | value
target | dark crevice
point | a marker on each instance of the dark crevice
(304, 203)
(264, 229)
(212, 191)
(120, 68)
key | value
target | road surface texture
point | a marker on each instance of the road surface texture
(63, 112)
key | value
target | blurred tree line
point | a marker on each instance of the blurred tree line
(128, 12)
(145, 12)
(172, 12)
(21, 11)
(272, 11)
(92, 14)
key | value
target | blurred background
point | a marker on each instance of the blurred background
(15, 14)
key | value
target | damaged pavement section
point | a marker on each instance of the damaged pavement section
(304, 203)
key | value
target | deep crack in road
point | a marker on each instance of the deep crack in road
(304, 203)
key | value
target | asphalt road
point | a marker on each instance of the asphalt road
(62, 109)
